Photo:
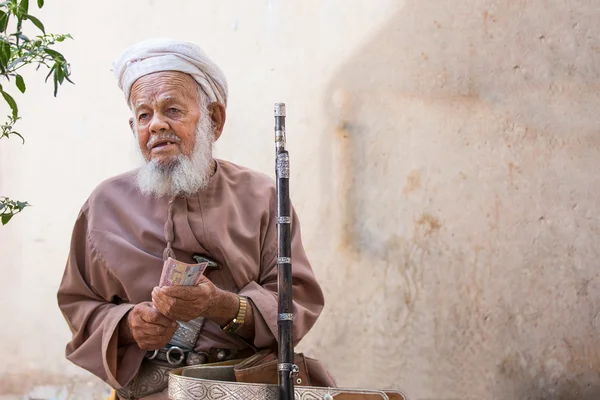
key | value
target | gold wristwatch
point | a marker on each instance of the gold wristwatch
(238, 321)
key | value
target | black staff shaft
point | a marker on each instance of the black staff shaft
(286, 368)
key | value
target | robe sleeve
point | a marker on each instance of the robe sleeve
(87, 297)
(307, 295)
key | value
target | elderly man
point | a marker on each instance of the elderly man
(179, 204)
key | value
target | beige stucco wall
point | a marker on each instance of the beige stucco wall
(444, 159)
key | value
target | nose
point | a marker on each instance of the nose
(158, 123)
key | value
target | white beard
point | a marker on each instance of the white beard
(186, 175)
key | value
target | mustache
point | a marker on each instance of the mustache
(171, 137)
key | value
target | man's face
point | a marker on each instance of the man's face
(166, 113)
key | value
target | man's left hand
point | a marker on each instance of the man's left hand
(184, 303)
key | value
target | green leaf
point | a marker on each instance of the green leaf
(23, 8)
(21, 205)
(6, 218)
(19, 135)
(20, 83)
(60, 74)
(4, 53)
(12, 103)
(49, 73)
(55, 54)
(3, 21)
(56, 74)
(40, 3)
(66, 69)
(36, 22)
(61, 38)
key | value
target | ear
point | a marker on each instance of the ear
(217, 116)
(131, 126)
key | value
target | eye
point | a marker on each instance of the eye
(173, 110)
(142, 116)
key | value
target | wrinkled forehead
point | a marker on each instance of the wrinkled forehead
(166, 85)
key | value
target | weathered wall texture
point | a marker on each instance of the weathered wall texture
(444, 159)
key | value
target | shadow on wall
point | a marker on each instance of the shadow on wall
(534, 63)
(468, 138)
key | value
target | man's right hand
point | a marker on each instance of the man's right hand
(150, 329)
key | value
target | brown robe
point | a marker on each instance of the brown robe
(116, 259)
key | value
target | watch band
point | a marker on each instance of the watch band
(238, 321)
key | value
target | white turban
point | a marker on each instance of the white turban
(158, 55)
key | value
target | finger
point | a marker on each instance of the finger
(154, 331)
(152, 316)
(157, 294)
(150, 334)
(162, 307)
(140, 309)
(173, 304)
(178, 312)
(182, 292)
(179, 307)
